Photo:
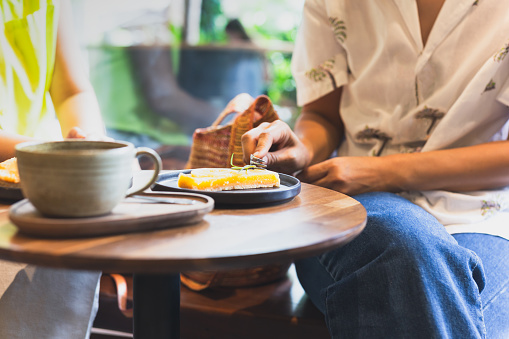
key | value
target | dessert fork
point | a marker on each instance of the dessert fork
(257, 162)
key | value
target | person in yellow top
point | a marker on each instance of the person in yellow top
(44, 95)
(44, 90)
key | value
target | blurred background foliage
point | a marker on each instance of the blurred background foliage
(272, 24)
(112, 31)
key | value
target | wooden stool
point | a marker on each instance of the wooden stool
(277, 310)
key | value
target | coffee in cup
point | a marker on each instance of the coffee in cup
(79, 178)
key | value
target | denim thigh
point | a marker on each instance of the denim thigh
(404, 276)
(494, 254)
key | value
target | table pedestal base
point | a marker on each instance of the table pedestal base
(156, 306)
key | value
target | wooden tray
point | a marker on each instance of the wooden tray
(131, 215)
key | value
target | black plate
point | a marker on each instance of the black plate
(10, 194)
(289, 189)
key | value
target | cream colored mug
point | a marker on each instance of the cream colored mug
(79, 178)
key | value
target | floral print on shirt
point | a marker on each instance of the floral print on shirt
(500, 56)
(490, 86)
(322, 71)
(490, 207)
(430, 113)
(369, 133)
(339, 28)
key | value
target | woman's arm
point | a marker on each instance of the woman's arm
(479, 167)
(484, 166)
(72, 94)
(320, 127)
(319, 132)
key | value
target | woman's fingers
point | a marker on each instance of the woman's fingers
(76, 133)
(314, 174)
(250, 140)
(276, 144)
(258, 141)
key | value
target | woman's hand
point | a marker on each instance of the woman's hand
(318, 132)
(351, 175)
(278, 145)
(78, 133)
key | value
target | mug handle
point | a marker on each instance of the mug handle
(158, 165)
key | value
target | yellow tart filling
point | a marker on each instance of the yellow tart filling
(9, 170)
(223, 179)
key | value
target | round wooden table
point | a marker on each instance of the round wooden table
(317, 220)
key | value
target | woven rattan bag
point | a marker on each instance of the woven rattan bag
(212, 147)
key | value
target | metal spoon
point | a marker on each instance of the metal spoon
(166, 200)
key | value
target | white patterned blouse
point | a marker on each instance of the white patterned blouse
(402, 96)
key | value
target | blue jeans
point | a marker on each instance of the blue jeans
(404, 276)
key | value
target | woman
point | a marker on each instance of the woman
(44, 95)
(413, 96)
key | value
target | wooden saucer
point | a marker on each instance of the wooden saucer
(131, 215)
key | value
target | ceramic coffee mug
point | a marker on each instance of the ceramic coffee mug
(79, 178)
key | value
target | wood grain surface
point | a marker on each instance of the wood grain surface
(317, 220)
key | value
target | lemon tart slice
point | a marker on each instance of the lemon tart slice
(223, 179)
(9, 171)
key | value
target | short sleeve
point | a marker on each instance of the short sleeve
(500, 80)
(319, 63)
(503, 95)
